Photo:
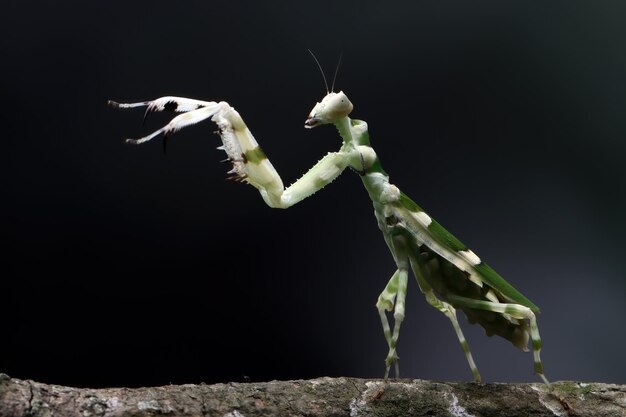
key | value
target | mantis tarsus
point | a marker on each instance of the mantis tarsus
(449, 274)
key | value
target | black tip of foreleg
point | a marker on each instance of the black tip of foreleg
(113, 104)
(171, 105)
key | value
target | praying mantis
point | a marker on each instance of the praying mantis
(450, 275)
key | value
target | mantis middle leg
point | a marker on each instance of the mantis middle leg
(393, 298)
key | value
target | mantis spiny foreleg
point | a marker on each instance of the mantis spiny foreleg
(194, 111)
(249, 161)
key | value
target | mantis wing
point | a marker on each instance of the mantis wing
(453, 271)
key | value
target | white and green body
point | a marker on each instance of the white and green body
(449, 274)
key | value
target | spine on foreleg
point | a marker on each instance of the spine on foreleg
(231, 146)
(249, 161)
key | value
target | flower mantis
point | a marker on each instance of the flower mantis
(450, 275)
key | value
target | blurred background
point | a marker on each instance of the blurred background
(128, 266)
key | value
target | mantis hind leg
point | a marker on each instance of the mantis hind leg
(516, 311)
(393, 298)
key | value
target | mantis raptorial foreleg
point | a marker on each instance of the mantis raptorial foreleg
(194, 111)
(249, 162)
(167, 103)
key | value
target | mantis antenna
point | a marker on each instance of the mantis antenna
(332, 88)
(321, 70)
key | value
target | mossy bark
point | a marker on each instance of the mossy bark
(316, 397)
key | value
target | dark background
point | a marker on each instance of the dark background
(125, 266)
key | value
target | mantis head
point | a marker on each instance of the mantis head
(334, 106)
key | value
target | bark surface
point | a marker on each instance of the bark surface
(316, 397)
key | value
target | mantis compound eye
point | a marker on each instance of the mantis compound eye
(338, 105)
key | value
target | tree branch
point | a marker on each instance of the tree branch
(316, 397)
